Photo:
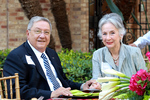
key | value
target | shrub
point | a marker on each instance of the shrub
(76, 65)
(3, 55)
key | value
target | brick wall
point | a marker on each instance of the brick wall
(13, 23)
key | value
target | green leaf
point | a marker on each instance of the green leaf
(122, 96)
(114, 8)
(140, 81)
(3, 55)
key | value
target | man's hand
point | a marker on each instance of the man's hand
(61, 91)
(133, 45)
(91, 84)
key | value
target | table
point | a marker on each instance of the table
(70, 99)
(76, 98)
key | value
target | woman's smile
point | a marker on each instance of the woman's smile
(109, 43)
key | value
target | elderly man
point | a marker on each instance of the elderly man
(39, 67)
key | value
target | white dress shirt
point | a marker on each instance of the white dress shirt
(38, 55)
(141, 42)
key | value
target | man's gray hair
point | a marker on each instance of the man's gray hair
(115, 19)
(36, 19)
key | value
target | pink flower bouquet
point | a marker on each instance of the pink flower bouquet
(140, 82)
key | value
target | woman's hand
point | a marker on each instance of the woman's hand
(91, 84)
(95, 85)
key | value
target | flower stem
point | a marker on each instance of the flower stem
(127, 77)
(124, 80)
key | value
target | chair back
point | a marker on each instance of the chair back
(3, 87)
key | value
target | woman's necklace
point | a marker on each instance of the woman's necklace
(115, 59)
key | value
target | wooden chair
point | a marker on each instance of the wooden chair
(4, 91)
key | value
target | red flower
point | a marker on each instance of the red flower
(142, 74)
(138, 82)
(148, 76)
(148, 55)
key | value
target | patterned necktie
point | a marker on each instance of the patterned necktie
(50, 73)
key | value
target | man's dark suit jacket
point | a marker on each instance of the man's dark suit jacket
(32, 79)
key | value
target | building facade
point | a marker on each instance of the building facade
(13, 23)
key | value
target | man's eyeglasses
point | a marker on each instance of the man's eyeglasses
(40, 31)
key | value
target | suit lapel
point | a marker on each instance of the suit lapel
(122, 56)
(109, 59)
(35, 60)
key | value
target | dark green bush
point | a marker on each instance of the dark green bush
(3, 55)
(76, 65)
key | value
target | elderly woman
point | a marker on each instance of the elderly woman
(115, 55)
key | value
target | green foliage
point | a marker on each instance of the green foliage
(76, 65)
(114, 8)
(127, 94)
(3, 55)
(147, 95)
(134, 96)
